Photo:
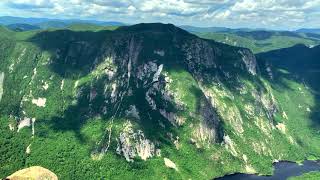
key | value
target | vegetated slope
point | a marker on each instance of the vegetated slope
(302, 64)
(148, 101)
(22, 27)
(213, 29)
(307, 176)
(89, 27)
(305, 30)
(262, 41)
(51, 24)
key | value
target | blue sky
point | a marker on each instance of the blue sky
(272, 14)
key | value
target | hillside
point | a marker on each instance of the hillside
(262, 41)
(306, 30)
(149, 101)
(46, 23)
(22, 27)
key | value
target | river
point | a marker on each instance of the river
(283, 170)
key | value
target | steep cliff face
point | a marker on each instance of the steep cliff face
(140, 98)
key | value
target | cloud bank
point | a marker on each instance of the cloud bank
(275, 14)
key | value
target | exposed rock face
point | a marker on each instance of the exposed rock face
(134, 144)
(34, 172)
(269, 71)
(159, 52)
(149, 71)
(157, 74)
(40, 102)
(45, 86)
(199, 56)
(62, 85)
(281, 127)
(26, 122)
(1, 84)
(249, 60)
(28, 150)
(230, 146)
(209, 130)
(170, 164)
(133, 112)
(170, 116)
(267, 102)
(152, 81)
(229, 113)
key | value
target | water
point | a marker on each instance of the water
(283, 170)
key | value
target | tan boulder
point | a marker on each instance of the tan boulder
(33, 173)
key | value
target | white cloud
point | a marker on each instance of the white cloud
(246, 5)
(26, 4)
(231, 13)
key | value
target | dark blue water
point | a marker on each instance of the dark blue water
(283, 170)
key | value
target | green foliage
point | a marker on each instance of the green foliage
(12, 148)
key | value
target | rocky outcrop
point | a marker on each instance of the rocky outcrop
(133, 144)
(230, 145)
(148, 72)
(267, 101)
(269, 71)
(210, 129)
(133, 112)
(170, 164)
(40, 102)
(159, 52)
(34, 172)
(199, 56)
(25, 122)
(249, 60)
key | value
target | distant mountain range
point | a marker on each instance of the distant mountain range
(22, 27)
(25, 24)
(309, 30)
(214, 29)
(225, 29)
(44, 23)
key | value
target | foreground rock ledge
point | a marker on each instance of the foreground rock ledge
(33, 173)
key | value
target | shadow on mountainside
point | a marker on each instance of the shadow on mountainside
(76, 54)
(298, 63)
(73, 53)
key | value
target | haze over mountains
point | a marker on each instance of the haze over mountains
(45, 23)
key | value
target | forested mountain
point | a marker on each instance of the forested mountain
(152, 101)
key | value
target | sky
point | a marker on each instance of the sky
(270, 14)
